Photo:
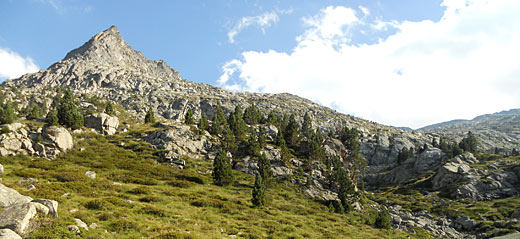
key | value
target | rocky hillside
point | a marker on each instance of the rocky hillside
(498, 132)
(107, 67)
(417, 188)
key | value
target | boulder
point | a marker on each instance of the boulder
(81, 224)
(74, 229)
(50, 204)
(1, 169)
(58, 136)
(102, 123)
(450, 173)
(9, 196)
(7, 233)
(465, 223)
(17, 217)
(91, 174)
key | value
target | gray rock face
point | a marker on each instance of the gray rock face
(17, 217)
(464, 223)
(102, 123)
(440, 228)
(180, 140)
(451, 173)
(58, 136)
(9, 196)
(50, 204)
(8, 234)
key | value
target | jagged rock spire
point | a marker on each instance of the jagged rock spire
(107, 45)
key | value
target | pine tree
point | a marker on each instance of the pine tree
(345, 185)
(188, 118)
(228, 140)
(252, 115)
(252, 144)
(307, 125)
(149, 117)
(109, 108)
(261, 138)
(219, 120)
(203, 123)
(237, 123)
(258, 195)
(469, 143)
(7, 114)
(264, 169)
(35, 112)
(68, 113)
(291, 132)
(222, 173)
(52, 118)
(284, 151)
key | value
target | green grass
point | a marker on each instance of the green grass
(158, 201)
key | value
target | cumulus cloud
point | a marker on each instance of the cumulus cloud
(12, 65)
(426, 72)
(262, 21)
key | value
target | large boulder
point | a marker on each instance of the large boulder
(8, 234)
(18, 217)
(102, 123)
(59, 137)
(450, 173)
(9, 196)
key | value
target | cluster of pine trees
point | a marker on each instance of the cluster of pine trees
(294, 140)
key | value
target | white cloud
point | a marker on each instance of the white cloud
(461, 66)
(262, 21)
(12, 65)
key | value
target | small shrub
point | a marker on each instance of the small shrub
(180, 183)
(153, 211)
(123, 225)
(139, 191)
(382, 219)
(97, 204)
(149, 199)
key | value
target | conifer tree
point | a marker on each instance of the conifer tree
(262, 141)
(228, 140)
(219, 120)
(7, 114)
(52, 118)
(149, 117)
(203, 123)
(237, 123)
(252, 115)
(188, 118)
(469, 143)
(68, 113)
(258, 195)
(222, 173)
(307, 125)
(291, 132)
(35, 112)
(264, 169)
(252, 144)
(109, 108)
(345, 185)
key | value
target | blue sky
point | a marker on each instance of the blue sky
(310, 48)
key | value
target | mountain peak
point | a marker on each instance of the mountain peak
(107, 45)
